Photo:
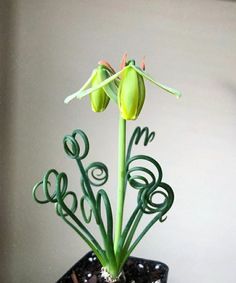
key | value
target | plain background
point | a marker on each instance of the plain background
(48, 49)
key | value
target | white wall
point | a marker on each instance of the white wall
(54, 45)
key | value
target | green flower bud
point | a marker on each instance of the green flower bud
(98, 98)
(131, 94)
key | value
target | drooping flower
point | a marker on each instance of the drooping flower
(131, 93)
(99, 98)
(125, 87)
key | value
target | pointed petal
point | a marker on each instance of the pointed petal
(106, 64)
(102, 84)
(70, 97)
(142, 65)
(75, 95)
(123, 61)
(166, 88)
(111, 88)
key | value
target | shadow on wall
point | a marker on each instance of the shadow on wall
(228, 0)
(6, 110)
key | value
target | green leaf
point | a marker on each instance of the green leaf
(75, 95)
(148, 77)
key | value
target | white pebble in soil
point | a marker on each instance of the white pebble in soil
(140, 266)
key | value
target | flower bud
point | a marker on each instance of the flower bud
(98, 98)
(131, 94)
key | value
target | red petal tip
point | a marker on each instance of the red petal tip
(143, 66)
(123, 61)
(106, 64)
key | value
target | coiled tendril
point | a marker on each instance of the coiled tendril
(72, 147)
(58, 195)
(147, 179)
(148, 182)
(97, 173)
(149, 206)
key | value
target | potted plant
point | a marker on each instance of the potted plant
(111, 260)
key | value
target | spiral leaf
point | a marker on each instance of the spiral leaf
(140, 177)
(97, 173)
(73, 207)
(72, 147)
(86, 216)
(46, 186)
(136, 138)
(149, 206)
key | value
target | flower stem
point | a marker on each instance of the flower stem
(121, 180)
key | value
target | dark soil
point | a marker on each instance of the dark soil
(137, 270)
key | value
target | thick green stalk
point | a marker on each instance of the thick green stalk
(121, 180)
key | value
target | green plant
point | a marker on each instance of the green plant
(127, 89)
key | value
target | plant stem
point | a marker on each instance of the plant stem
(121, 180)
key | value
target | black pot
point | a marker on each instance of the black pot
(136, 270)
